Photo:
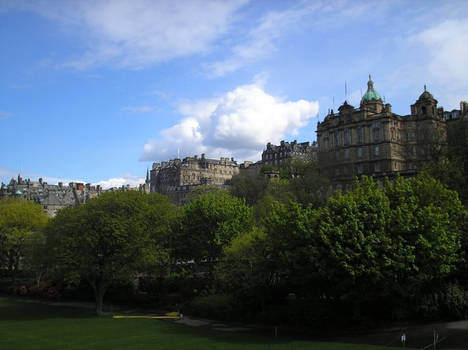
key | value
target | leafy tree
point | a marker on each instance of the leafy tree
(245, 270)
(110, 239)
(207, 224)
(249, 187)
(451, 166)
(20, 222)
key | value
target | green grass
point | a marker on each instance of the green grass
(33, 326)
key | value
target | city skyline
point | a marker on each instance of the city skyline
(97, 91)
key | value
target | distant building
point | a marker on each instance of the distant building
(51, 197)
(176, 178)
(277, 154)
(372, 140)
(456, 114)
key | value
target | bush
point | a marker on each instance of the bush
(216, 306)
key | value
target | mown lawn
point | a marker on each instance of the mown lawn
(33, 326)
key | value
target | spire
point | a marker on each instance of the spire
(425, 88)
(147, 176)
(370, 84)
(346, 91)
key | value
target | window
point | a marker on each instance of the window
(377, 150)
(359, 169)
(338, 138)
(346, 153)
(376, 167)
(359, 152)
(347, 136)
(376, 131)
(360, 135)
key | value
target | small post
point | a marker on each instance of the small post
(276, 331)
(403, 340)
(436, 338)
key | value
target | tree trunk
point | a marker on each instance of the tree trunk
(99, 289)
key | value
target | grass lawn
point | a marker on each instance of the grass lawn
(32, 326)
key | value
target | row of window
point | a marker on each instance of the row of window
(359, 152)
(345, 137)
(277, 155)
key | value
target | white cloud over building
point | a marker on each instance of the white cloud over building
(237, 124)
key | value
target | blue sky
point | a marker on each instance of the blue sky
(97, 90)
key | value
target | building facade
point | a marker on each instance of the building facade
(277, 154)
(176, 178)
(51, 197)
(372, 140)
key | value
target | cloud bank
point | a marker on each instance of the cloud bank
(138, 33)
(237, 124)
(124, 180)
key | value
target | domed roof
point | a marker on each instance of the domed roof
(371, 94)
(426, 95)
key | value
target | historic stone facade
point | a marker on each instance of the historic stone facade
(51, 197)
(457, 113)
(372, 140)
(277, 154)
(176, 178)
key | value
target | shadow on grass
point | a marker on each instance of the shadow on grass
(26, 311)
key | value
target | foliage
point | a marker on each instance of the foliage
(207, 224)
(246, 272)
(451, 168)
(214, 306)
(110, 239)
(20, 222)
(370, 249)
(306, 185)
(249, 187)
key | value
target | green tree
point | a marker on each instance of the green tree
(20, 222)
(207, 224)
(245, 270)
(249, 187)
(110, 239)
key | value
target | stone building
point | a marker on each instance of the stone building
(176, 178)
(277, 154)
(51, 197)
(372, 140)
(456, 114)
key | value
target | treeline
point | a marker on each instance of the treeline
(389, 252)
(271, 251)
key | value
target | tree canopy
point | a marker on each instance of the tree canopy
(110, 238)
(20, 222)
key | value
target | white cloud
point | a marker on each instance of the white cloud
(439, 59)
(260, 40)
(139, 109)
(124, 180)
(139, 33)
(447, 45)
(237, 124)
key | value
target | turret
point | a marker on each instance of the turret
(425, 106)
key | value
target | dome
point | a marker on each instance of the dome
(426, 95)
(371, 94)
